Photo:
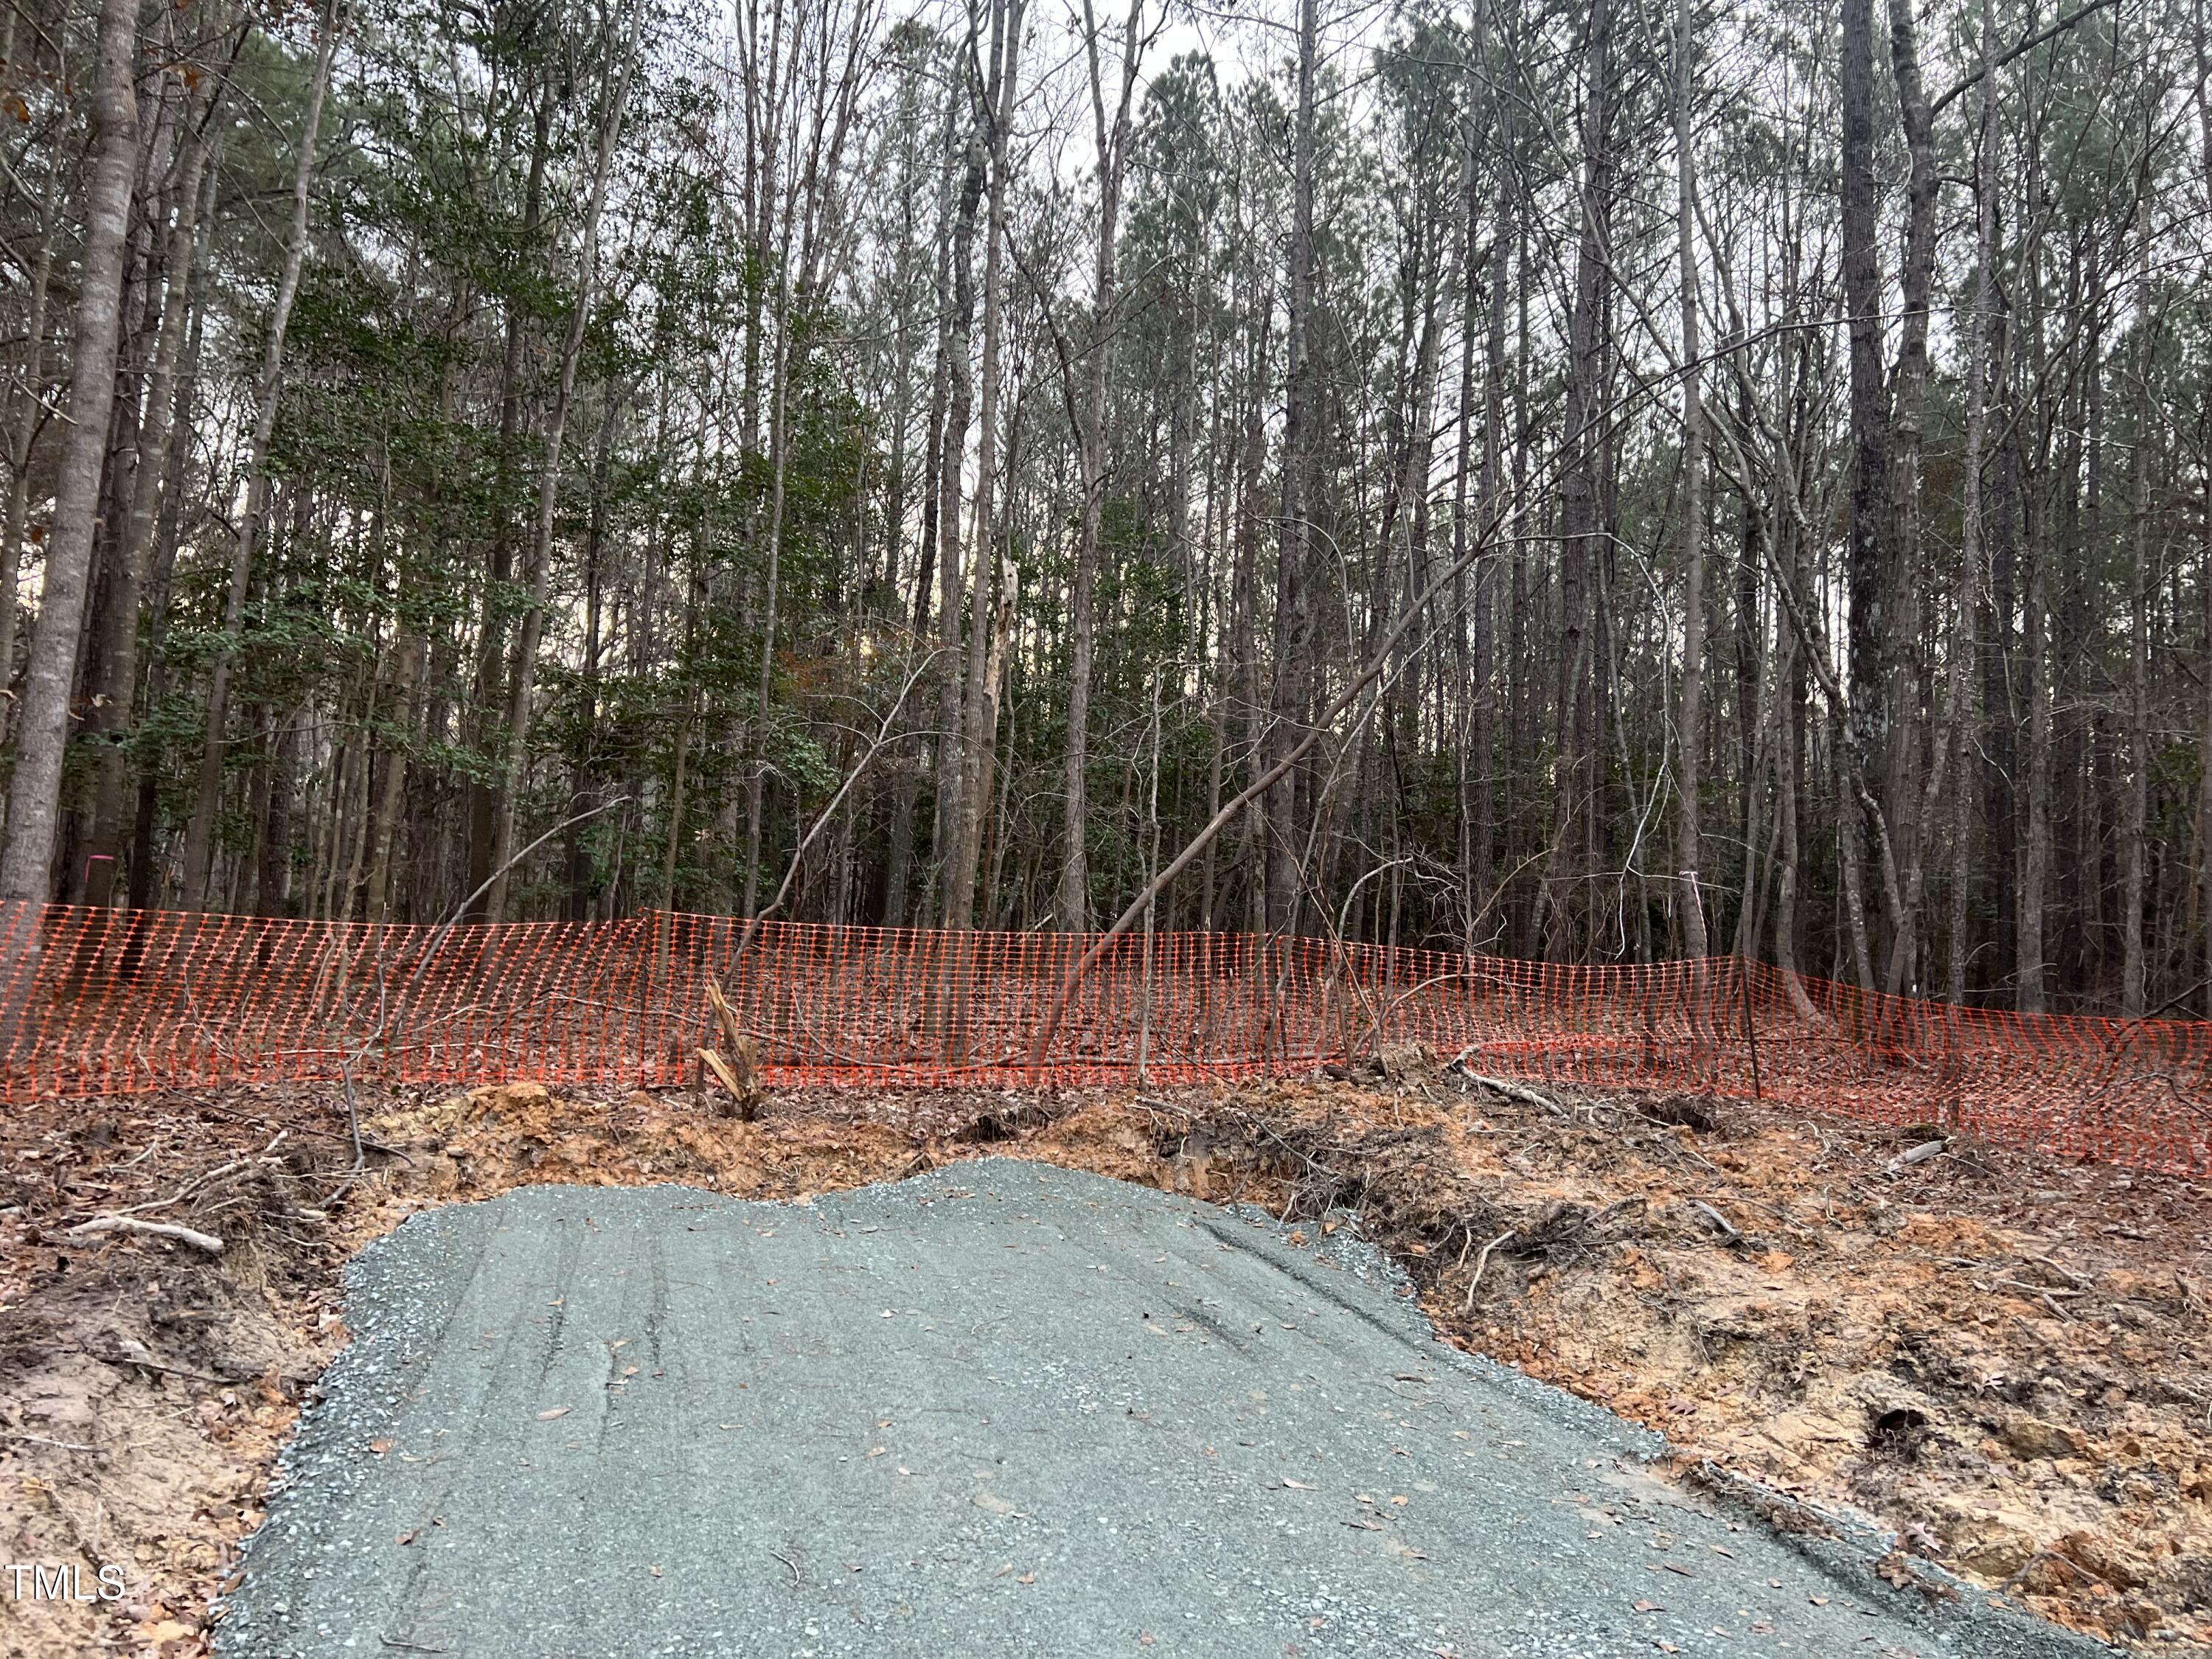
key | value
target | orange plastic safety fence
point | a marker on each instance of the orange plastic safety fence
(102, 1001)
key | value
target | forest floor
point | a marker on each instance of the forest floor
(2004, 1357)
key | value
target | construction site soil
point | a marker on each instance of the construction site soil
(2003, 1359)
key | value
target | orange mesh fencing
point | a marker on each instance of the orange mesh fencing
(104, 1001)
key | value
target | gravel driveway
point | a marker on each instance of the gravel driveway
(1001, 1409)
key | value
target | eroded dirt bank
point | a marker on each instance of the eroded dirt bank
(2004, 1357)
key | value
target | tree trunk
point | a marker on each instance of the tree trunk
(1074, 900)
(1483, 717)
(111, 804)
(779, 445)
(512, 770)
(1522, 900)
(1973, 535)
(169, 533)
(909, 760)
(2035, 851)
(1472, 756)
(27, 402)
(978, 720)
(1691, 738)
(1900, 760)
(406, 675)
(482, 794)
(951, 748)
(1561, 900)
(1244, 609)
(273, 879)
(35, 790)
(2203, 98)
(1867, 579)
(676, 802)
(199, 834)
(2000, 692)
(2135, 827)
(1290, 703)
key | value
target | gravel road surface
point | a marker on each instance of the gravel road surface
(1000, 1409)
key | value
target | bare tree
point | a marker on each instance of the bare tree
(1092, 448)
(624, 60)
(199, 835)
(1689, 736)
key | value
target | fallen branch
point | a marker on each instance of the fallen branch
(1633, 1204)
(2066, 1273)
(194, 1189)
(146, 1364)
(1511, 1090)
(875, 746)
(1384, 656)
(453, 920)
(1920, 1154)
(123, 1223)
(1482, 1262)
(2043, 1291)
(1726, 1228)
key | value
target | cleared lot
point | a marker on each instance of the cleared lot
(1000, 1407)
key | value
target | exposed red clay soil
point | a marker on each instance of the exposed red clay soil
(2002, 1356)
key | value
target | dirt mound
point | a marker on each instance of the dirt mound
(483, 1143)
(145, 1385)
(2004, 1359)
